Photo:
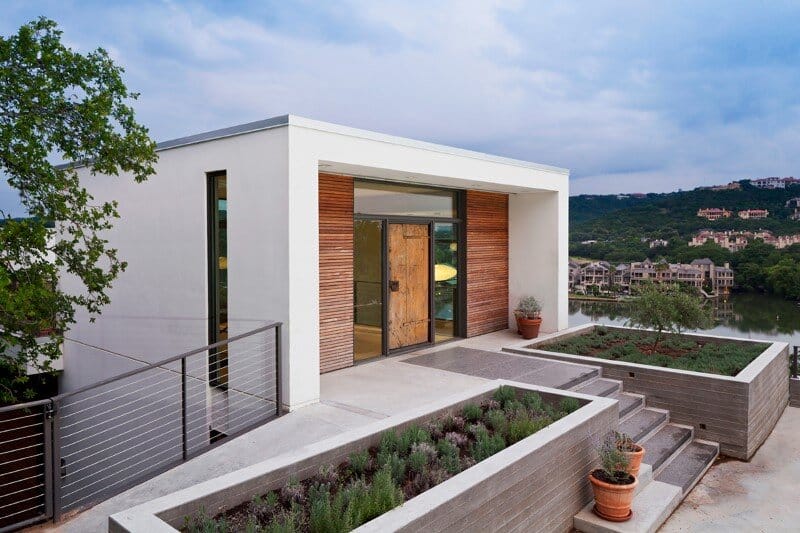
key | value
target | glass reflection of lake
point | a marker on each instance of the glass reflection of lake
(755, 316)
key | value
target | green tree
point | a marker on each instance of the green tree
(57, 103)
(667, 307)
(784, 278)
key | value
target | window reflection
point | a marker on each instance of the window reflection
(381, 198)
(445, 271)
(367, 289)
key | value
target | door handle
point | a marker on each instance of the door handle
(394, 285)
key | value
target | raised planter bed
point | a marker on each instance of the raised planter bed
(738, 411)
(538, 483)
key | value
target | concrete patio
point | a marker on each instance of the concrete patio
(733, 496)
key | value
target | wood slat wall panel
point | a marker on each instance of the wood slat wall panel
(335, 272)
(487, 262)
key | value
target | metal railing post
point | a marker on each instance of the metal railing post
(278, 374)
(795, 354)
(183, 408)
(56, 468)
(49, 467)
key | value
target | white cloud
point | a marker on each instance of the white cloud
(630, 97)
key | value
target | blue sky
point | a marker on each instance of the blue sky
(631, 96)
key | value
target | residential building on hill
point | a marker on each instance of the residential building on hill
(659, 243)
(700, 273)
(713, 213)
(794, 205)
(752, 214)
(774, 182)
(738, 240)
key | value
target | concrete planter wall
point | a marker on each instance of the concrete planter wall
(737, 412)
(537, 484)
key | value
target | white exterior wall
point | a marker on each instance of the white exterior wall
(159, 305)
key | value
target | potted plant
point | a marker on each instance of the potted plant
(613, 486)
(528, 314)
(632, 451)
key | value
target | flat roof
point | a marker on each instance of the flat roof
(294, 120)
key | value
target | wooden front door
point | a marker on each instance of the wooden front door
(409, 284)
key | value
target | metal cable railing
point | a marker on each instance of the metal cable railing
(79, 448)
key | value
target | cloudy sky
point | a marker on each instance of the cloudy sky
(630, 96)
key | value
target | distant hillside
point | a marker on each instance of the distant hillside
(674, 215)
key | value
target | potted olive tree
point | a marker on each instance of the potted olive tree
(528, 314)
(613, 486)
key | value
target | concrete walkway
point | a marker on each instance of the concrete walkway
(762, 495)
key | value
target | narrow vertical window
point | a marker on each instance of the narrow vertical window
(218, 278)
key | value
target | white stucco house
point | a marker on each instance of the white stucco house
(364, 245)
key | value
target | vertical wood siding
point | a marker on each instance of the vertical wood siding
(487, 262)
(335, 272)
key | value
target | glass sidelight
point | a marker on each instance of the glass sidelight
(445, 271)
(368, 288)
(217, 213)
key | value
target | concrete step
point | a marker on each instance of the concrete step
(687, 466)
(643, 422)
(651, 508)
(628, 402)
(664, 443)
(599, 387)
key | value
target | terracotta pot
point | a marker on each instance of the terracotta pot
(613, 502)
(634, 460)
(528, 327)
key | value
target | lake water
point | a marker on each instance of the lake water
(752, 316)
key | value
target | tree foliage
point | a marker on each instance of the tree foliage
(58, 103)
(667, 307)
(623, 225)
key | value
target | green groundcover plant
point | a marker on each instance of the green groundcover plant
(406, 463)
(714, 356)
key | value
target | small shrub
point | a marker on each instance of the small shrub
(417, 461)
(453, 423)
(395, 465)
(293, 492)
(382, 496)
(426, 448)
(262, 509)
(359, 461)
(504, 394)
(477, 429)
(411, 436)
(327, 475)
(513, 408)
(569, 405)
(390, 442)
(458, 439)
(492, 404)
(520, 428)
(435, 429)
(487, 445)
(472, 412)
(496, 419)
(448, 456)
(203, 523)
(533, 401)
